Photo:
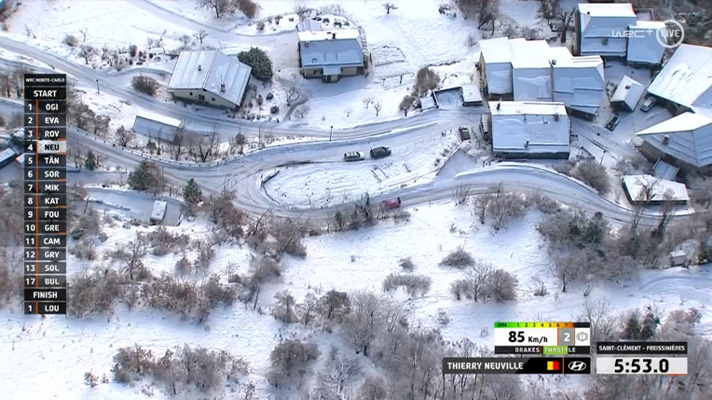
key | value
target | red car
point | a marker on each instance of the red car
(391, 204)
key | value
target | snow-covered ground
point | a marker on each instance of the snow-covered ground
(33, 346)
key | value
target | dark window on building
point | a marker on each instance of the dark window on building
(190, 93)
(213, 98)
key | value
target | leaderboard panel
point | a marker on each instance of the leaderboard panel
(45, 186)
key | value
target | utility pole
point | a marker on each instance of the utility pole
(97, 87)
(331, 132)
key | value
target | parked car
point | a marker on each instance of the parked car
(464, 133)
(391, 204)
(380, 152)
(611, 125)
(648, 103)
(354, 156)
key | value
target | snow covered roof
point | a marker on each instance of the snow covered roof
(156, 126)
(159, 210)
(530, 127)
(160, 118)
(7, 154)
(578, 81)
(471, 93)
(644, 46)
(529, 53)
(338, 47)
(310, 25)
(686, 78)
(496, 50)
(628, 92)
(687, 137)
(603, 28)
(222, 75)
(607, 10)
(637, 185)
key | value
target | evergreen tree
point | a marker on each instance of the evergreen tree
(650, 325)
(632, 328)
(192, 193)
(90, 161)
(147, 177)
(258, 60)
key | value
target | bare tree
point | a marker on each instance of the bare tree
(131, 254)
(293, 93)
(302, 110)
(220, 7)
(334, 305)
(367, 319)
(203, 147)
(566, 18)
(501, 285)
(389, 6)
(84, 34)
(200, 35)
(101, 125)
(124, 137)
(308, 308)
(461, 194)
(377, 106)
(284, 309)
(348, 112)
(289, 360)
(87, 52)
(367, 101)
(373, 388)
(337, 372)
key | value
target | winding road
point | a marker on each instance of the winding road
(244, 174)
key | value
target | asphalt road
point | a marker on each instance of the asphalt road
(244, 174)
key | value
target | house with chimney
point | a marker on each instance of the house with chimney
(602, 29)
(329, 55)
(210, 77)
(529, 129)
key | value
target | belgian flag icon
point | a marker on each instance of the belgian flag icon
(552, 366)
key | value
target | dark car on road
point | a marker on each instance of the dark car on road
(611, 125)
(380, 152)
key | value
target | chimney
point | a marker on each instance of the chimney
(222, 87)
(498, 105)
(666, 139)
(526, 145)
(200, 67)
(333, 35)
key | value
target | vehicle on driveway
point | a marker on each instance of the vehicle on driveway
(648, 103)
(611, 125)
(354, 156)
(380, 152)
(391, 204)
(464, 133)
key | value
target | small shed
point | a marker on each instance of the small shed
(159, 212)
(428, 102)
(158, 127)
(7, 156)
(678, 258)
(627, 94)
(471, 95)
(647, 189)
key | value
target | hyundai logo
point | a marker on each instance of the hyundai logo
(577, 366)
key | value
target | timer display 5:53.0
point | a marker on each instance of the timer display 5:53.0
(642, 365)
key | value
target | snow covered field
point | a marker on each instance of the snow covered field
(344, 261)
